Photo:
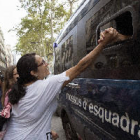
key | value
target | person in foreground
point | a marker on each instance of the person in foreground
(33, 98)
(10, 79)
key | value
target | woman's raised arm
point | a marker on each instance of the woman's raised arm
(107, 36)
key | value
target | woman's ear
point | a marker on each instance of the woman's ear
(33, 73)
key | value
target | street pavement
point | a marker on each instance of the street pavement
(57, 127)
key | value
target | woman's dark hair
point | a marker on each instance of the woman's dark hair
(8, 81)
(25, 65)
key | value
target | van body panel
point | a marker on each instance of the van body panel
(109, 108)
(102, 102)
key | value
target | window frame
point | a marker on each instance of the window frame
(114, 16)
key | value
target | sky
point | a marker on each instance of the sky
(10, 16)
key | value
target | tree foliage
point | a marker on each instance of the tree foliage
(44, 20)
(36, 30)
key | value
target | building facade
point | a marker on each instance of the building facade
(3, 59)
(9, 55)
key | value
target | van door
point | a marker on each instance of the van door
(113, 98)
(109, 109)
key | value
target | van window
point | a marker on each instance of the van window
(63, 56)
(67, 53)
(119, 60)
(57, 69)
(122, 23)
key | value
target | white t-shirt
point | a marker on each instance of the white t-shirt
(31, 117)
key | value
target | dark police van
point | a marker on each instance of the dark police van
(102, 103)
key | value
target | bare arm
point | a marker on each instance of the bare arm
(73, 72)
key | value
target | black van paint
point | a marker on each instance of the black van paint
(104, 101)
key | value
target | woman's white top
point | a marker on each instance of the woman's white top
(31, 117)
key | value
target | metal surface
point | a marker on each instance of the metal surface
(102, 103)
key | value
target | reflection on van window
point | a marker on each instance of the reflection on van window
(122, 54)
(122, 23)
(93, 22)
(67, 53)
(63, 54)
(57, 69)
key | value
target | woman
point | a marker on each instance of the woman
(10, 79)
(34, 99)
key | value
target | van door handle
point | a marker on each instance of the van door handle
(73, 85)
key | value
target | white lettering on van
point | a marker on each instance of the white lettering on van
(108, 116)
(96, 112)
(123, 122)
(115, 119)
(85, 104)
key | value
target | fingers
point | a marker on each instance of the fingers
(115, 32)
(111, 31)
(99, 41)
(108, 35)
(102, 35)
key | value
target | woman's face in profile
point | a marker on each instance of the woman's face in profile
(43, 69)
(15, 75)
